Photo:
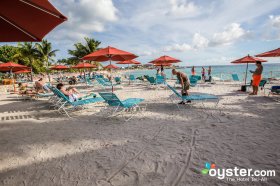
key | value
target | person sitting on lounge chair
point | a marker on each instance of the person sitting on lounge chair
(184, 81)
(23, 89)
(72, 93)
(41, 85)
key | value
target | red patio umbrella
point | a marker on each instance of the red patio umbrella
(111, 67)
(22, 71)
(272, 53)
(12, 67)
(27, 20)
(165, 64)
(83, 65)
(59, 67)
(247, 59)
(165, 59)
(128, 62)
(110, 54)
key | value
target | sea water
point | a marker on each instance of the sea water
(220, 72)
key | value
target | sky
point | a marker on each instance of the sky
(198, 32)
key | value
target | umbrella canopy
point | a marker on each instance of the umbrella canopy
(22, 71)
(84, 65)
(272, 53)
(128, 62)
(59, 67)
(109, 54)
(247, 59)
(165, 64)
(11, 67)
(111, 67)
(165, 59)
(27, 20)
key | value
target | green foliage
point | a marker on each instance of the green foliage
(7, 52)
(44, 52)
(81, 50)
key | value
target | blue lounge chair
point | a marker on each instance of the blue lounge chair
(105, 84)
(193, 81)
(160, 80)
(64, 101)
(132, 78)
(274, 90)
(192, 97)
(235, 77)
(118, 80)
(114, 101)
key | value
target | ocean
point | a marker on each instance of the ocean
(220, 72)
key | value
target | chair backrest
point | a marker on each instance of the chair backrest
(100, 81)
(131, 77)
(174, 91)
(61, 95)
(111, 98)
(160, 79)
(151, 80)
(262, 83)
(118, 79)
(235, 77)
(193, 81)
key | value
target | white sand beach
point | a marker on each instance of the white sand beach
(159, 146)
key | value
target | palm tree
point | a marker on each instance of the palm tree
(81, 50)
(26, 55)
(45, 53)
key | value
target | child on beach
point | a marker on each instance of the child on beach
(184, 81)
(257, 77)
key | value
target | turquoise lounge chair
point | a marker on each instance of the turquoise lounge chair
(105, 84)
(114, 101)
(132, 78)
(118, 80)
(235, 77)
(193, 81)
(64, 102)
(192, 97)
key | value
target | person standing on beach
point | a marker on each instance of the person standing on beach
(209, 71)
(184, 81)
(193, 71)
(257, 77)
(203, 73)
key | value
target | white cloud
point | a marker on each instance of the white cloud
(84, 17)
(232, 33)
(199, 41)
(183, 8)
(177, 47)
(275, 21)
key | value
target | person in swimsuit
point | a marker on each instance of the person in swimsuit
(193, 71)
(203, 73)
(257, 77)
(184, 81)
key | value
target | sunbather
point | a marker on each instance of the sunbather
(72, 92)
(184, 81)
(41, 85)
(23, 89)
(257, 77)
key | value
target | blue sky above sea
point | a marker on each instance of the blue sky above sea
(199, 32)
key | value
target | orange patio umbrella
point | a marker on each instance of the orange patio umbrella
(272, 53)
(59, 67)
(247, 59)
(27, 20)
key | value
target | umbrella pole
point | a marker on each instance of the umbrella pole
(246, 74)
(111, 76)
